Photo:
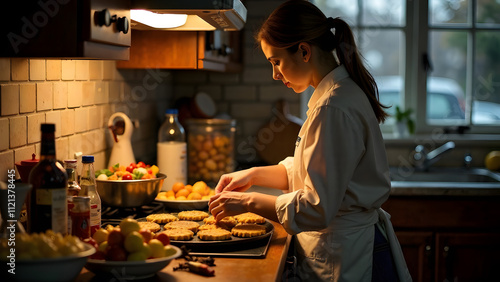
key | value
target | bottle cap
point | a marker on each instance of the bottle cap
(48, 127)
(172, 111)
(87, 159)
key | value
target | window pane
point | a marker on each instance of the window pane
(335, 8)
(383, 50)
(488, 11)
(448, 11)
(447, 83)
(384, 12)
(486, 94)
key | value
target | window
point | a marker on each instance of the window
(439, 57)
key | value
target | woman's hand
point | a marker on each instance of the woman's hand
(228, 204)
(238, 181)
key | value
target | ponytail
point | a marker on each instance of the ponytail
(297, 21)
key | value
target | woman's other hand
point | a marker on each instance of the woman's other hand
(238, 181)
(228, 204)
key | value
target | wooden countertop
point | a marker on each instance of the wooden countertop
(268, 268)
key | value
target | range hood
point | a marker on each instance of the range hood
(228, 15)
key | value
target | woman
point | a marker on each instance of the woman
(338, 177)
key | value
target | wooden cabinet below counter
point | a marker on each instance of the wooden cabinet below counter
(448, 238)
(187, 50)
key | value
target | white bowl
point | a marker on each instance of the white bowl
(65, 268)
(130, 270)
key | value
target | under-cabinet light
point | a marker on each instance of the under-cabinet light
(157, 20)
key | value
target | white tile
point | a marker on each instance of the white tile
(74, 94)
(17, 126)
(37, 69)
(9, 99)
(75, 144)
(82, 70)
(81, 119)
(54, 69)
(62, 148)
(68, 69)
(94, 117)
(101, 92)
(60, 95)
(44, 96)
(19, 69)
(55, 118)
(4, 134)
(88, 93)
(4, 69)
(6, 163)
(27, 98)
(109, 70)
(88, 143)
(25, 153)
(34, 122)
(96, 68)
(100, 139)
(67, 122)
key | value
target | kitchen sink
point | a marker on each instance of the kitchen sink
(444, 177)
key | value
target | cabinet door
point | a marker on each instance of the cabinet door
(467, 256)
(418, 252)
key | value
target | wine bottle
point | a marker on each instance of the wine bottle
(48, 207)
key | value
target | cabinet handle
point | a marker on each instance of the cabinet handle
(428, 248)
(446, 249)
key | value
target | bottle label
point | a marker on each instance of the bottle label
(95, 218)
(56, 199)
(172, 161)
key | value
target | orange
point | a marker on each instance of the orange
(189, 188)
(194, 196)
(177, 186)
(183, 192)
(181, 198)
(169, 193)
(199, 187)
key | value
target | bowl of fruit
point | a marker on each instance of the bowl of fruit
(129, 252)
(129, 186)
(186, 197)
(45, 256)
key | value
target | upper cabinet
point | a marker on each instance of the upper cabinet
(78, 29)
(206, 50)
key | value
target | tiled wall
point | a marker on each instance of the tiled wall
(78, 96)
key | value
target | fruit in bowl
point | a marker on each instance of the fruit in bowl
(134, 171)
(198, 191)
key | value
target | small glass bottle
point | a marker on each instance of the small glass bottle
(48, 207)
(80, 217)
(88, 185)
(73, 187)
(172, 152)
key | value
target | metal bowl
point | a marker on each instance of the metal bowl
(129, 193)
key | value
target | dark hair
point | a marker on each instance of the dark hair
(297, 21)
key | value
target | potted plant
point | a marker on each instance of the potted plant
(404, 123)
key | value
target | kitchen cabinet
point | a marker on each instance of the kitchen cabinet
(448, 238)
(188, 50)
(76, 29)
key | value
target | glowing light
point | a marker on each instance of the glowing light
(156, 20)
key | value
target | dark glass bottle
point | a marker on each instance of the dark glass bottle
(48, 207)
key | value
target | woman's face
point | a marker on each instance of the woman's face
(287, 67)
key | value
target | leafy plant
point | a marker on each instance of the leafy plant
(405, 116)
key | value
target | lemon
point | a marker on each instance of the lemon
(492, 160)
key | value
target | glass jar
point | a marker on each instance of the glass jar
(210, 146)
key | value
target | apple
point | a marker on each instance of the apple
(157, 248)
(146, 249)
(115, 237)
(135, 256)
(169, 251)
(98, 255)
(162, 237)
(146, 234)
(100, 235)
(116, 253)
(128, 225)
(103, 246)
(133, 242)
(92, 242)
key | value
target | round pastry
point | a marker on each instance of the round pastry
(227, 222)
(250, 217)
(151, 226)
(179, 234)
(192, 215)
(161, 218)
(207, 226)
(248, 230)
(214, 234)
(183, 224)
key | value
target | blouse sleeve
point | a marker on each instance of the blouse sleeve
(288, 164)
(333, 148)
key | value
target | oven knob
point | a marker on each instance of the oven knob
(122, 25)
(103, 17)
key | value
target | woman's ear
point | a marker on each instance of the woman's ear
(305, 51)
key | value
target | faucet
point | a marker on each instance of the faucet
(423, 159)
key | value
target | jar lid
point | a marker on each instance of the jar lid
(31, 162)
(87, 159)
(172, 111)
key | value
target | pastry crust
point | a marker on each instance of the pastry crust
(250, 217)
(192, 215)
(151, 226)
(161, 217)
(214, 234)
(227, 222)
(179, 234)
(246, 230)
(207, 227)
(183, 224)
